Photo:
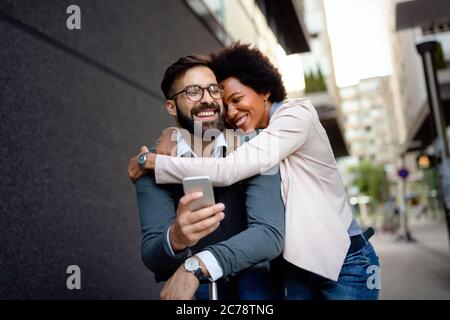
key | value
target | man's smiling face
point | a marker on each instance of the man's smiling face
(207, 113)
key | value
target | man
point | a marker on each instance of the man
(245, 228)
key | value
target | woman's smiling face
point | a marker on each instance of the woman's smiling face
(245, 108)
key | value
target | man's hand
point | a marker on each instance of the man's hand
(181, 286)
(134, 170)
(189, 227)
(167, 142)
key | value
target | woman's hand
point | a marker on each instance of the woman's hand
(167, 142)
(166, 145)
(134, 170)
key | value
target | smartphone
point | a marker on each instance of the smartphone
(199, 184)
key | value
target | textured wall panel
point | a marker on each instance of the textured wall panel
(67, 128)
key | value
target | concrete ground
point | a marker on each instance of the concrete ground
(415, 270)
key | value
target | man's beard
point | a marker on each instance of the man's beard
(194, 127)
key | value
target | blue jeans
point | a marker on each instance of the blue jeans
(359, 279)
(249, 284)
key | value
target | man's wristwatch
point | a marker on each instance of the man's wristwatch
(142, 159)
(192, 265)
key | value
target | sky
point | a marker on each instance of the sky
(290, 65)
(358, 31)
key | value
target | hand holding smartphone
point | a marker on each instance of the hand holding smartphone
(199, 184)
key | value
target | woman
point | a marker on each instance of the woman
(326, 255)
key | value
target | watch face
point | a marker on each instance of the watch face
(191, 264)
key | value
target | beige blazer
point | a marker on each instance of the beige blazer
(318, 214)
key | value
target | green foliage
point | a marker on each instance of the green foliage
(315, 82)
(430, 178)
(439, 57)
(371, 180)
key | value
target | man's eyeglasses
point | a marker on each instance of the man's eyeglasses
(195, 93)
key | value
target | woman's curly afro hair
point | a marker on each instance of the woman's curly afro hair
(251, 67)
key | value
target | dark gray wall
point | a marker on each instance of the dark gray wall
(74, 106)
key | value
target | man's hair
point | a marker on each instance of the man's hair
(178, 69)
(251, 67)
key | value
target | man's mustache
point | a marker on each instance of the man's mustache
(214, 106)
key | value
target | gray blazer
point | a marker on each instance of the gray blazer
(262, 240)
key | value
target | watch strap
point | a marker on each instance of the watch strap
(142, 159)
(198, 272)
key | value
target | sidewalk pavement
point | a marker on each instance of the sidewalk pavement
(415, 270)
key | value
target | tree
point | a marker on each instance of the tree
(315, 82)
(371, 180)
(439, 56)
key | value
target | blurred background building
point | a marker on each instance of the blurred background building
(76, 104)
(369, 120)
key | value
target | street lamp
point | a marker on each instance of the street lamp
(427, 50)
(404, 233)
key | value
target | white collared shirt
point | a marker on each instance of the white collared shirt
(185, 150)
